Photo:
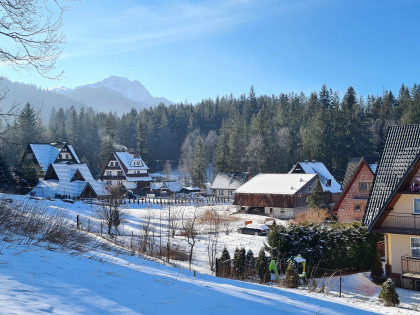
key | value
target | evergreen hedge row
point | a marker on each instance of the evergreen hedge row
(327, 246)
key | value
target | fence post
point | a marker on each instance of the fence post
(340, 282)
(77, 221)
(101, 229)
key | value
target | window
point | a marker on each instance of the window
(119, 182)
(364, 186)
(415, 247)
(108, 173)
(111, 163)
(230, 192)
(119, 173)
(416, 206)
(221, 192)
(357, 208)
(310, 188)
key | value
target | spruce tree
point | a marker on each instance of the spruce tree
(292, 277)
(377, 271)
(388, 294)
(262, 267)
(199, 165)
(142, 146)
(317, 197)
(5, 175)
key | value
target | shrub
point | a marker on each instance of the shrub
(262, 267)
(292, 277)
(377, 270)
(239, 263)
(388, 294)
(314, 215)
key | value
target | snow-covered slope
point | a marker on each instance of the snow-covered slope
(37, 280)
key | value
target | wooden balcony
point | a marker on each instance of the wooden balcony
(410, 267)
(404, 223)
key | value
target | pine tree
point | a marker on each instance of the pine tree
(317, 197)
(199, 165)
(224, 266)
(29, 127)
(388, 294)
(142, 146)
(5, 175)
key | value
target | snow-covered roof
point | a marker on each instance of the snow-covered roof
(65, 186)
(280, 184)
(45, 154)
(131, 161)
(138, 179)
(328, 182)
(172, 186)
(73, 153)
(229, 180)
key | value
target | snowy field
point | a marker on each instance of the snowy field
(44, 279)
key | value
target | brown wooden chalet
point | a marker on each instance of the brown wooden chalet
(279, 195)
(355, 189)
(126, 169)
(393, 208)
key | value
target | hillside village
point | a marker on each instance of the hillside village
(377, 195)
(272, 164)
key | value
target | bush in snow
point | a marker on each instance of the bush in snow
(292, 277)
(249, 264)
(388, 294)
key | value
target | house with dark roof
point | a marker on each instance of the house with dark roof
(393, 207)
(126, 169)
(225, 184)
(280, 196)
(329, 185)
(45, 154)
(355, 189)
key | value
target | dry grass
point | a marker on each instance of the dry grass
(317, 215)
(210, 215)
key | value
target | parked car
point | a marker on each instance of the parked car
(254, 229)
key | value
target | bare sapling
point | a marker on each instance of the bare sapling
(189, 227)
(213, 237)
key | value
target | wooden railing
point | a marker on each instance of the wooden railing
(410, 265)
(401, 223)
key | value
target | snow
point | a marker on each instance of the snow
(45, 154)
(43, 278)
(64, 186)
(283, 184)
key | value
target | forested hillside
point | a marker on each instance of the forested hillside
(247, 133)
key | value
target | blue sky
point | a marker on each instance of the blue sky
(190, 50)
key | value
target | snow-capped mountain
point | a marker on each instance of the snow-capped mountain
(133, 90)
(62, 90)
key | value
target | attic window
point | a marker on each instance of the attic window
(328, 183)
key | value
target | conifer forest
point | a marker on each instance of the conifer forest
(265, 134)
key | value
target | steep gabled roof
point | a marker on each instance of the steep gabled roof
(45, 154)
(328, 182)
(400, 155)
(127, 160)
(229, 180)
(276, 184)
(73, 153)
(355, 165)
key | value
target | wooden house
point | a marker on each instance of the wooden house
(126, 169)
(355, 189)
(225, 184)
(278, 195)
(393, 207)
(329, 185)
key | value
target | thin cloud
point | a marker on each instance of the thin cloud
(141, 27)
